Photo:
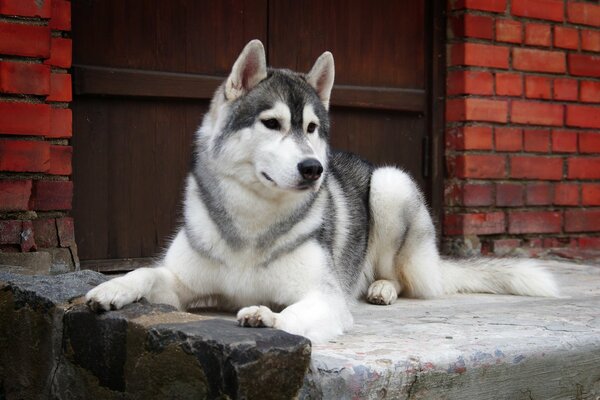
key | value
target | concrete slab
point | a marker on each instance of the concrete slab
(469, 347)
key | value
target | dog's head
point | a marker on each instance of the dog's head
(270, 127)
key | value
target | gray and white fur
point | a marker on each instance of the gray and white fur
(290, 232)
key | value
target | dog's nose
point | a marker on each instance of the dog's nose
(310, 169)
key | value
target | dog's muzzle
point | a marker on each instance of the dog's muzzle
(310, 170)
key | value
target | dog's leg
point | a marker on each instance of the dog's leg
(383, 291)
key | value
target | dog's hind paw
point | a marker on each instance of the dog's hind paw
(382, 292)
(111, 295)
(256, 316)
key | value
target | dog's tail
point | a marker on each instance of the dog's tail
(523, 277)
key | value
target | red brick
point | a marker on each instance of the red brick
(473, 109)
(509, 84)
(60, 53)
(583, 13)
(45, 233)
(534, 222)
(476, 26)
(564, 141)
(592, 243)
(509, 31)
(474, 224)
(25, 8)
(478, 54)
(505, 246)
(542, 9)
(584, 65)
(509, 195)
(61, 123)
(537, 87)
(471, 138)
(508, 139)
(26, 78)
(532, 167)
(474, 195)
(538, 194)
(453, 194)
(52, 195)
(60, 87)
(24, 118)
(470, 82)
(557, 242)
(60, 160)
(583, 168)
(589, 142)
(566, 38)
(538, 60)
(480, 166)
(61, 15)
(565, 89)
(27, 240)
(536, 140)
(582, 220)
(24, 40)
(583, 116)
(538, 34)
(590, 40)
(10, 231)
(14, 195)
(482, 5)
(24, 156)
(526, 112)
(66, 231)
(590, 195)
(590, 91)
(566, 194)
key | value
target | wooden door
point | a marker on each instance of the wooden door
(144, 71)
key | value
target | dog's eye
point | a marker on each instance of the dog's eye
(311, 127)
(271, 123)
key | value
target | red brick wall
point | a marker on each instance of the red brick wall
(35, 129)
(522, 126)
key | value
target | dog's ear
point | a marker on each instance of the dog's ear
(321, 77)
(249, 69)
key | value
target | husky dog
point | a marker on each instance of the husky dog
(291, 232)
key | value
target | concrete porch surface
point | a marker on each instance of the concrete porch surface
(469, 346)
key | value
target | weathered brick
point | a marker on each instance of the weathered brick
(564, 141)
(583, 116)
(538, 34)
(14, 194)
(509, 84)
(60, 52)
(566, 38)
(542, 9)
(24, 78)
(66, 231)
(590, 91)
(534, 222)
(533, 167)
(60, 87)
(509, 31)
(474, 195)
(587, 242)
(10, 231)
(24, 118)
(474, 224)
(584, 65)
(470, 138)
(539, 60)
(52, 195)
(536, 140)
(590, 40)
(537, 87)
(508, 139)
(583, 168)
(538, 113)
(61, 15)
(509, 195)
(566, 194)
(27, 239)
(474, 109)
(470, 82)
(583, 13)
(590, 195)
(45, 233)
(538, 194)
(565, 89)
(24, 40)
(25, 8)
(60, 160)
(582, 220)
(61, 123)
(505, 246)
(482, 5)
(478, 54)
(589, 142)
(480, 166)
(24, 156)
(469, 25)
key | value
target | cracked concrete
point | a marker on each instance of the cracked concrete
(469, 346)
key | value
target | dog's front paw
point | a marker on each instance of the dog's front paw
(111, 295)
(256, 316)
(382, 292)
